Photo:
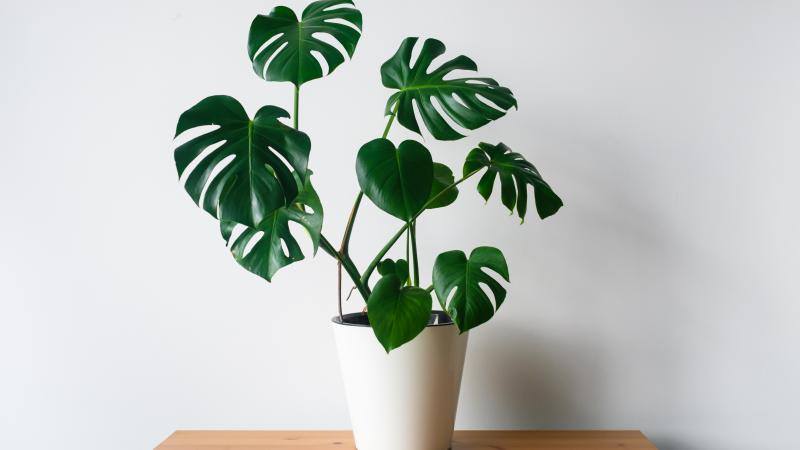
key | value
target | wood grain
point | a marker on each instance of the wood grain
(462, 440)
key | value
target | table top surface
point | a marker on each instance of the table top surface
(462, 440)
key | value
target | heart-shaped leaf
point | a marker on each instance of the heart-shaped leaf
(470, 306)
(462, 99)
(249, 156)
(397, 314)
(391, 267)
(398, 180)
(515, 174)
(442, 178)
(282, 47)
(261, 250)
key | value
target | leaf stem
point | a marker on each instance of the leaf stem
(381, 254)
(348, 265)
(342, 258)
(344, 250)
(351, 220)
(372, 265)
(391, 121)
(339, 288)
(345, 245)
(408, 253)
(296, 107)
(413, 230)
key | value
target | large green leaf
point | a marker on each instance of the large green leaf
(515, 174)
(397, 314)
(282, 47)
(397, 180)
(460, 98)
(249, 157)
(469, 306)
(260, 250)
(442, 178)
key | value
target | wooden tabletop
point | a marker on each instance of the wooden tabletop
(462, 440)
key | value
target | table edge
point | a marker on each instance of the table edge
(633, 432)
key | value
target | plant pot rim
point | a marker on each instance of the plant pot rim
(361, 320)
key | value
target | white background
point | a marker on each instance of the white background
(663, 297)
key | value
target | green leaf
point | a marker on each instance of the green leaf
(260, 251)
(397, 314)
(460, 98)
(253, 178)
(470, 306)
(390, 267)
(442, 178)
(282, 47)
(397, 181)
(515, 174)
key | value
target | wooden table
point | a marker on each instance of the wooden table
(462, 440)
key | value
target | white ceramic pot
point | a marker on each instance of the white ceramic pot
(407, 399)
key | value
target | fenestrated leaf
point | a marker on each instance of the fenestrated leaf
(460, 98)
(398, 180)
(470, 306)
(260, 250)
(442, 178)
(253, 181)
(282, 47)
(397, 314)
(390, 267)
(515, 174)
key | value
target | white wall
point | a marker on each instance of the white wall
(663, 297)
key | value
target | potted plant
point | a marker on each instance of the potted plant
(252, 174)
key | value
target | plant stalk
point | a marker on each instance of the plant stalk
(382, 253)
(345, 246)
(296, 107)
(344, 249)
(347, 264)
(408, 252)
(372, 265)
(413, 233)
(391, 121)
(343, 260)
(339, 287)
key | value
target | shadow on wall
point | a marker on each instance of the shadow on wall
(599, 344)
(533, 380)
(538, 383)
(539, 387)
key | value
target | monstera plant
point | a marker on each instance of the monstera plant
(251, 173)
